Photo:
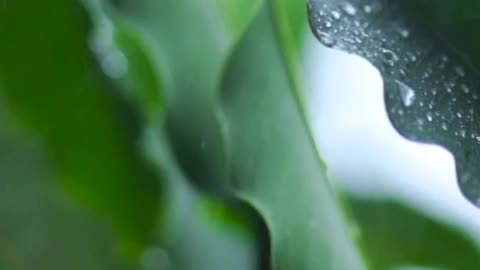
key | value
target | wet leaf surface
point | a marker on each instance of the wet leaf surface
(428, 66)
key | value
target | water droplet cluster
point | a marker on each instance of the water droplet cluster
(431, 92)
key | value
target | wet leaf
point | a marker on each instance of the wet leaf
(428, 63)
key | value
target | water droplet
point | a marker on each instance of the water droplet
(406, 93)
(389, 55)
(114, 64)
(389, 58)
(336, 15)
(404, 32)
(326, 39)
(367, 9)
(349, 9)
(429, 117)
(462, 133)
(411, 57)
(465, 88)
(444, 126)
(327, 24)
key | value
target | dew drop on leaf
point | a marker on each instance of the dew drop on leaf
(349, 9)
(406, 93)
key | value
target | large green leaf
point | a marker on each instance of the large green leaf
(46, 71)
(274, 164)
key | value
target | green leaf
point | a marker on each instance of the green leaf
(274, 163)
(46, 72)
(191, 232)
(189, 42)
(39, 227)
(394, 235)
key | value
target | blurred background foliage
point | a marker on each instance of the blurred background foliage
(172, 135)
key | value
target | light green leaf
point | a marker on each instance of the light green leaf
(274, 164)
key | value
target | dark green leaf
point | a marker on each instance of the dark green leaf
(429, 66)
(46, 72)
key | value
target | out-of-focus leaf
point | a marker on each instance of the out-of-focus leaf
(189, 42)
(46, 71)
(394, 235)
(38, 228)
(200, 232)
(190, 232)
(429, 65)
(274, 164)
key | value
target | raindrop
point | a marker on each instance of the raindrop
(465, 88)
(367, 9)
(404, 32)
(114, 64)
(429, 117)
(326, 39)
(389, 58)
(444, 126)
(406, 93)
(412, 57)
(389, 55)
(336, 15)
(462, 133)
(349, 9)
